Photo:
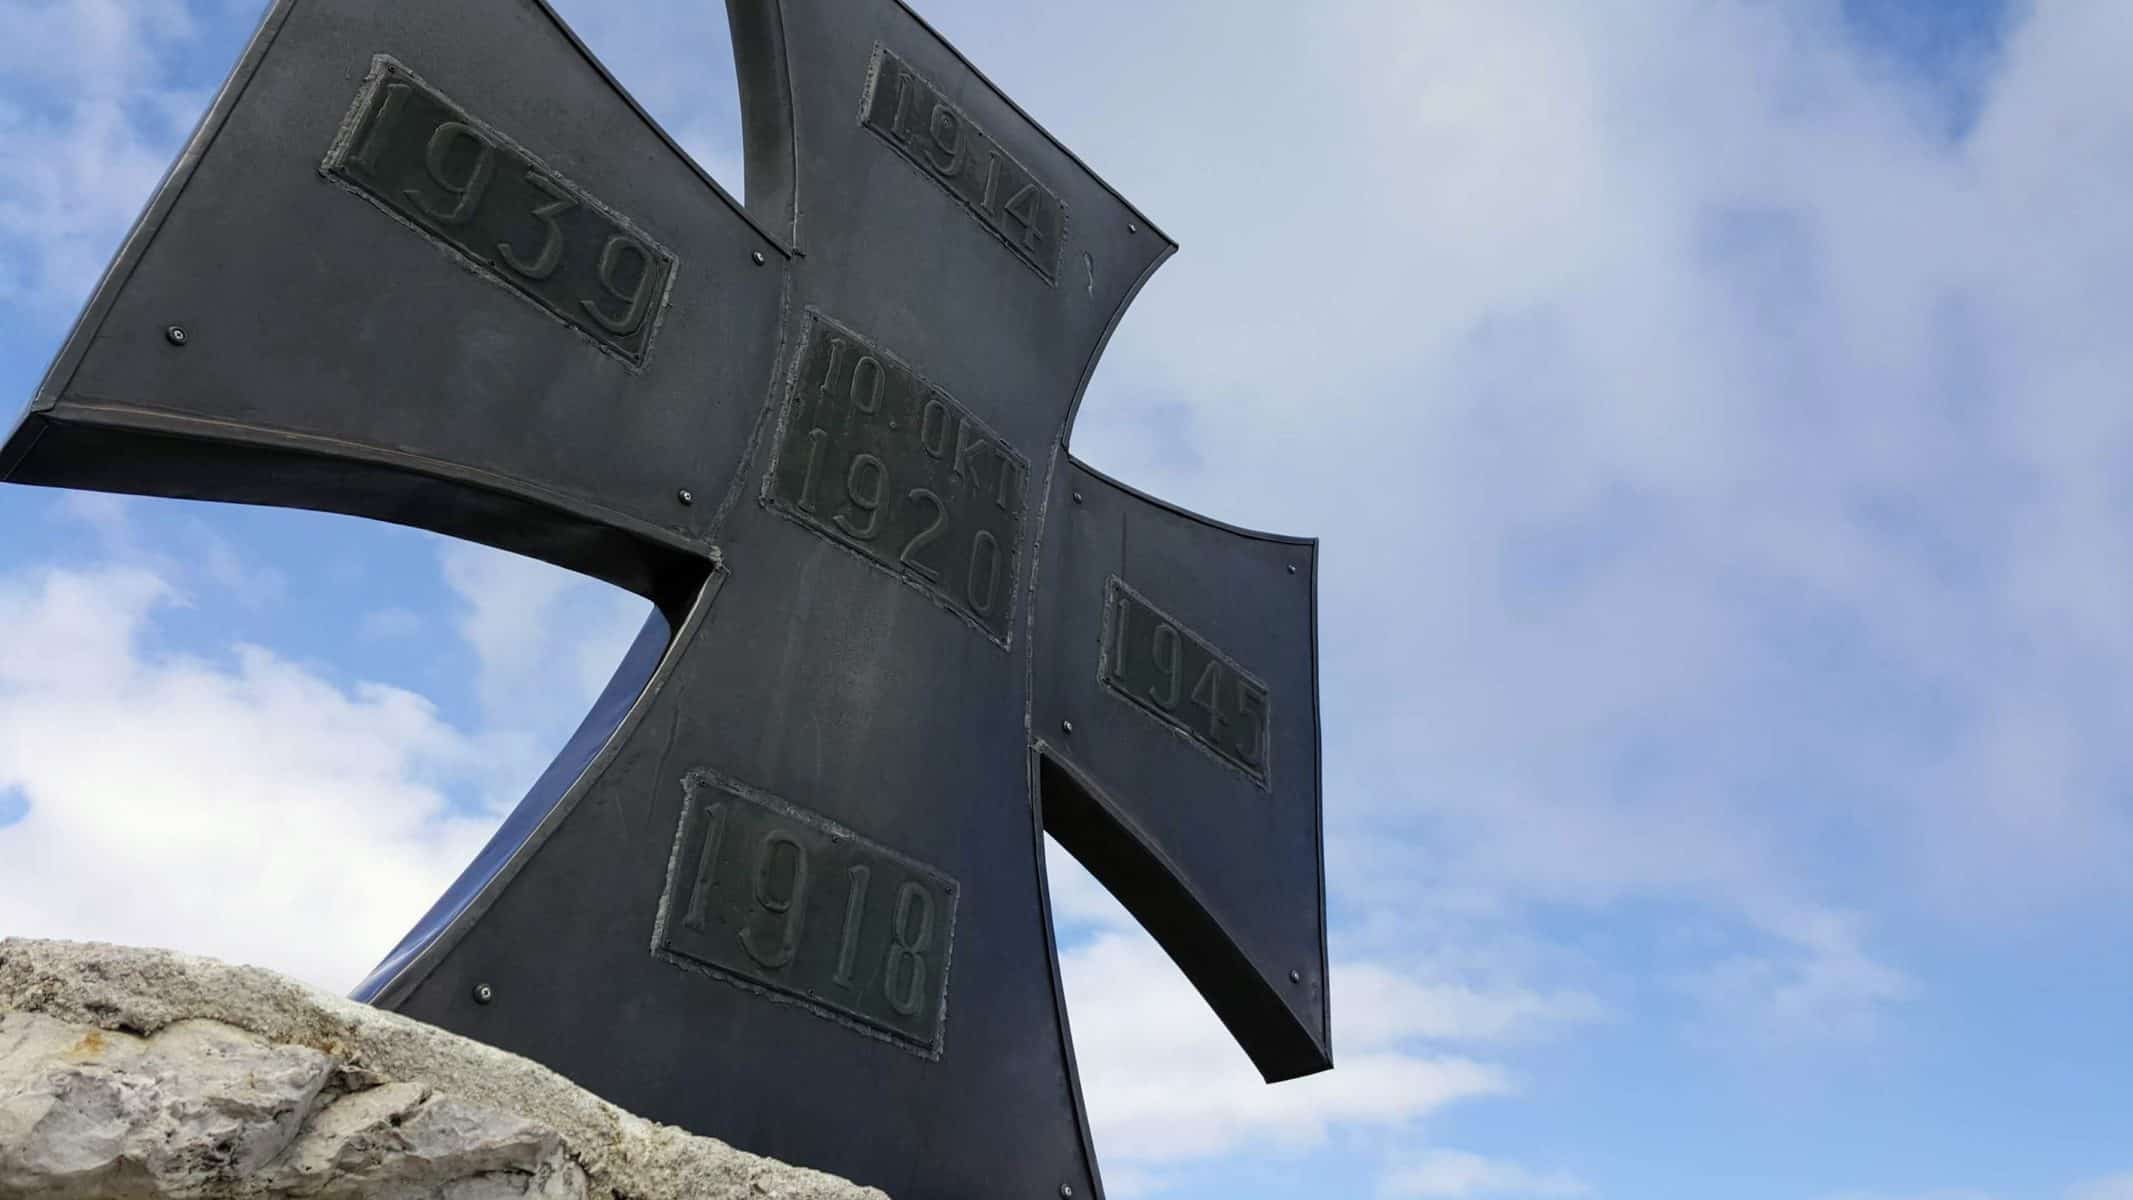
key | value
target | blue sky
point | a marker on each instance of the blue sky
(1715, 418)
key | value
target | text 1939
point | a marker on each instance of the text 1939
(420, 157)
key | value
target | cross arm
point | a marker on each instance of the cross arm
(1176, 709)
(429, 264)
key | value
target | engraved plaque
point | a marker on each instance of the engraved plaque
(912, 116)
(1173, 674)
(423, 159)
(779, 899)
(883, 461)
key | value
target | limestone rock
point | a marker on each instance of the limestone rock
(142, 1073)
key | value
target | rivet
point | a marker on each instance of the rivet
(1077, 497)
(756, 258)
(483, 993)
(1066, 727)
(685, 496)
(1292, 568)
(175, 335)
(1066, 1191)
(1296, 977)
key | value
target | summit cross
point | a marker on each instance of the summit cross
(428, 263)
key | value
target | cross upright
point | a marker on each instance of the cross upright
(427, 263)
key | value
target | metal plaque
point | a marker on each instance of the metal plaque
(423, 160)
(428, 263)
(874, 456)
(1156, 661)
(773, 896)
(952, 150)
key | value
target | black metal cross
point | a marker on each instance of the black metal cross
(427, 263)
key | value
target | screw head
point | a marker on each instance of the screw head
(1292, 568)
(756, 258)
(483, 993)
(1066, 1191)
(1132, 228)
(1296, 977)
(685, 496)
(1077, 497)
(1066, 727)
(175, 335)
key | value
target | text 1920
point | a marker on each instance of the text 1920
(885, 462)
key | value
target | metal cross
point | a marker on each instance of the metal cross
(427, 263)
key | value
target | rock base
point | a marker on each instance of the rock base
(131, 1073)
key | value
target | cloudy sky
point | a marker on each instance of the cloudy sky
(1715, 415)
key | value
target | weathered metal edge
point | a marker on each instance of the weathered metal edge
(1033, 759)
(739, 209)
(106, 413)
(89, 323)
(467, 902)
(1035, 124)
(1063, 759)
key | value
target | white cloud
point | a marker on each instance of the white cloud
(2115, 1187)
(533, 627)
(1166, 1084)
(1164, 1081)
(248, 809)
(1456, 1175)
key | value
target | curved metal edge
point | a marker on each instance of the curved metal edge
(770, 150)
(1035, 124)
(1035, 768)
(583, 760)
(1090, 826)
(86, 443)
(739, 209)
(160, 202)
(1260, 535)
(1096, 352)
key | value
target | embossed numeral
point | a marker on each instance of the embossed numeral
(752, 896)
(442, 171)
(707, 865)
(870, 503)
(912, 116)
(551, 256)
(1148, 658)
(466, 193)
(928, 491)
(924, 537)
(638, 298)
(855, 904)
(381, 125)
(907, 951)
(1169, 661)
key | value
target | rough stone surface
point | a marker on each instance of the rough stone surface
(144, 1073)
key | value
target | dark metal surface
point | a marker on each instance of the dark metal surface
(786, 884)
